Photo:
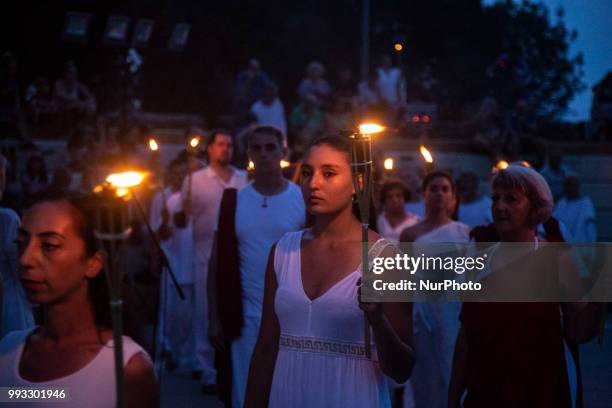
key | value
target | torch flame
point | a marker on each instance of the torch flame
(125, 180)
(370, 128)
(153, 145)
(284, 164)
(502, 165)
(425, 153)
(251, 166)
(388, 164)
(194, 142)
(525, 163)
(122, 192)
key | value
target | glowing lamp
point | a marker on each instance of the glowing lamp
(126, 179)
(370, 128)
(426, 154)
(388, 164)
(153, 145)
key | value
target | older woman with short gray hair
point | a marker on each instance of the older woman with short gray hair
(516, 353)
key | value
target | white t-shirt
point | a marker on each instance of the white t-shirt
(388, 84)
(391, 233)
(257, 229)
(206, 192)
(273, 114)
(92, 386)
(579, 217)
(476, 213)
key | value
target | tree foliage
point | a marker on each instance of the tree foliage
(455, 51)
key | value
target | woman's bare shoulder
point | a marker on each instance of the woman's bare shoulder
(411, 233)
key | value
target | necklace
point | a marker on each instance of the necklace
(264, 203)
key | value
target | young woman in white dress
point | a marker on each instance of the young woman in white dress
(310, 351)
(436, 324)
(61, 271)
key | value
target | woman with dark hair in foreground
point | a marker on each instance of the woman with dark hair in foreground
(310, 351)
(62, 271)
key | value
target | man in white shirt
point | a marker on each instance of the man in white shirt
(576, 212)
(474, 209)
(266, 209)
(391, 86)
(269, 110)
(175, 326)
(201, 195)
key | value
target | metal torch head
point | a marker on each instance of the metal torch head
(361, 164)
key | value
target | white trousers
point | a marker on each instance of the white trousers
(242, 350)
(176, 322)
(205, 353)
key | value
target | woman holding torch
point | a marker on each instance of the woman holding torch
(435, 322)
(311, 350)
(61, 270)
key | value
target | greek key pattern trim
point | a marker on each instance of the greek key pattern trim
(307, 344)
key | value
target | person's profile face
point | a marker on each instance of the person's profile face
(265, 152)
(326, 180)
(52, 259)
(394, 200)
(511, 209)
(439, 195)
(221, 150)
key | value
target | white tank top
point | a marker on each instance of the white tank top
(93, 386)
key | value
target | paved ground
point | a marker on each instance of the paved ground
(180, 391)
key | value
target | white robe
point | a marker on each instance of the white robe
(258, 227)
(16, 311)
(391, 233)
(436, 325)
(206, 193)
(175, 329)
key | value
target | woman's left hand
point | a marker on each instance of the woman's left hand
(372, 310)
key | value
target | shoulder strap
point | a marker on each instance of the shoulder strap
(376, 249)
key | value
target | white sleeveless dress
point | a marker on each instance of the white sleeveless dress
(321, 358)
(436, 325)
(93, 386)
